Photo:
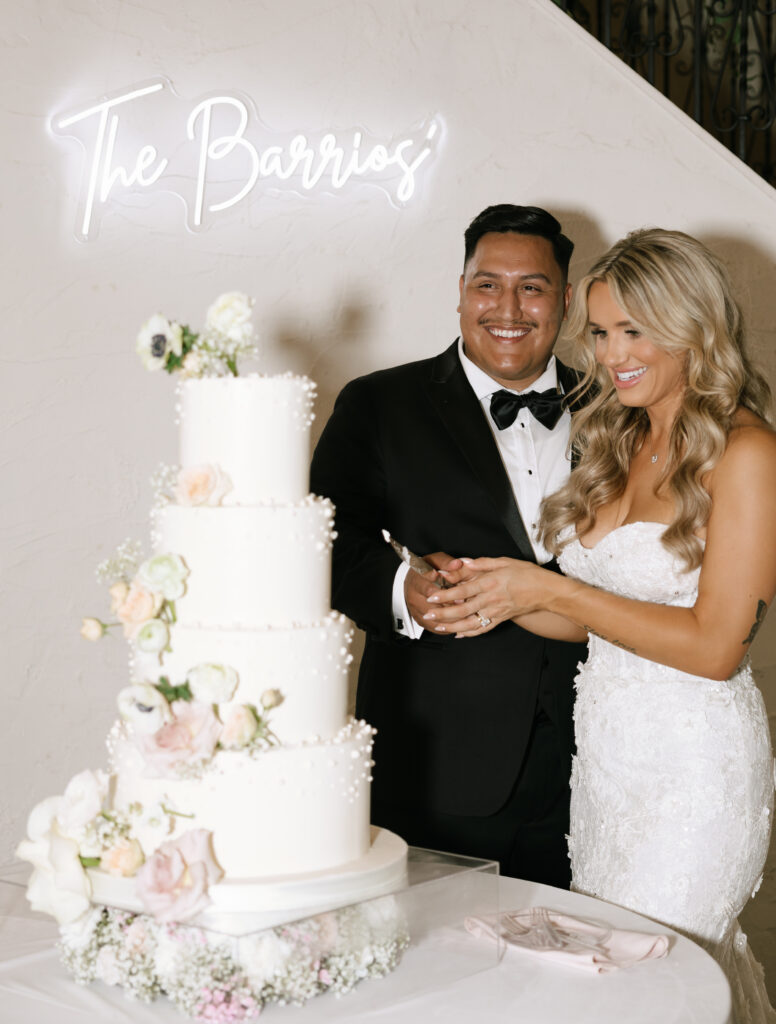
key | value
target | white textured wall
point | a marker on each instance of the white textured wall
(535, 112)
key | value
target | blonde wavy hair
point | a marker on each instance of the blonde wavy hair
(679, 295)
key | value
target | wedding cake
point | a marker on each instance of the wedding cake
(236, 800)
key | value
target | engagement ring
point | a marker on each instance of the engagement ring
(483, 620)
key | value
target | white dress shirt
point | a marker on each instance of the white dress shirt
(536, 461)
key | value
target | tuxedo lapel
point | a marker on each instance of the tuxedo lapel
(456, 404)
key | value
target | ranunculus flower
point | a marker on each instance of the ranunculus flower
(143, 708)
(239, 727)
(157, 338)
(212, 683)
(202, 485)
(82, 801)
(173, 883)
(118, 594)
(191, 736)
(123, 858)
(92, 629)
(271, 699)
(165, 575)
(153, 636)
(230, 316)
(141, 604)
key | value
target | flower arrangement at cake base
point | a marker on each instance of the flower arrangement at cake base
(215, 977)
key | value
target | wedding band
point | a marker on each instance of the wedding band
(483, 620)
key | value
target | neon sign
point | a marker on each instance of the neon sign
(217, 154)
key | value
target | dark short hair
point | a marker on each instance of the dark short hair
(523, 220)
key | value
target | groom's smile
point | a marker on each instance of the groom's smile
(513, 299)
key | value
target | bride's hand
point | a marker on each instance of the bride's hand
(499, 589)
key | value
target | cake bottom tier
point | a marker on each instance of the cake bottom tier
(243, 906)
(284, 811)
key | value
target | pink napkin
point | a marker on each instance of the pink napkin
(589, 945)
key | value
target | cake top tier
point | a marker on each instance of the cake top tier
(254, 430)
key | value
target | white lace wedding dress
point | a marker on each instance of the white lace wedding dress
(672, 786)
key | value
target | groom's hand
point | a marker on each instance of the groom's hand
(418, 587)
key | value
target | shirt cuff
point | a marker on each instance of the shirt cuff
(403, 622)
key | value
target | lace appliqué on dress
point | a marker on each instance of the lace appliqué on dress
(672, 785)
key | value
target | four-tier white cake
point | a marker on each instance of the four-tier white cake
(237, 791)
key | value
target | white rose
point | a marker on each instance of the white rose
(82, 801)
(157, 338)
(41, 818)
(153, 636)
(92, 629)
(271, 699)
(169, 954)
(123, 858)
(165, 575)
(212, 684)
(202, 485)
(58, 885)
(78, 935)
(264, 956)
(143, 708)
(230, 316)
(107, 966)
(239, 728)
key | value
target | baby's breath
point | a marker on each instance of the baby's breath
(123, 564)
(214, 978)
(163, 483)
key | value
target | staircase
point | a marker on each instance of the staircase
(715, 59)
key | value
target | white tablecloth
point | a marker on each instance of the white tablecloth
(686, 987)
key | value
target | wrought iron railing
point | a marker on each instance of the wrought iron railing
(716, 59)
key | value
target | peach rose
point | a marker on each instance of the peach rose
(139, 605)
(239, 727)
(118, 595)
(123, 858)
(92, 629)
(173, 883)
(201, 485)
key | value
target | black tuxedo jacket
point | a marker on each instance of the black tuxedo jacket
(408, 450)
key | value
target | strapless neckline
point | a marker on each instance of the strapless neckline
(622, 526)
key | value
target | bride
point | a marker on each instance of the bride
(665, 535)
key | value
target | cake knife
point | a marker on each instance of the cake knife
(412, 560)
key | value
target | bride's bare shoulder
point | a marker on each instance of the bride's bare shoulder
(751, 447)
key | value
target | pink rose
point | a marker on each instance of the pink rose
(138, 607)
(173, 883)
(191, 736)
(201, 485)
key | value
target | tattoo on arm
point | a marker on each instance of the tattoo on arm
(762, 608)
(631, 650)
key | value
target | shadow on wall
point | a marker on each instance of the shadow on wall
(328, 356)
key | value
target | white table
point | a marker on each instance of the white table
(687, 987)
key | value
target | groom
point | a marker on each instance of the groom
(474, 736)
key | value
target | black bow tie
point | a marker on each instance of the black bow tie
(545, 406)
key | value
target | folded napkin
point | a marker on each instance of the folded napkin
(589, 945)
